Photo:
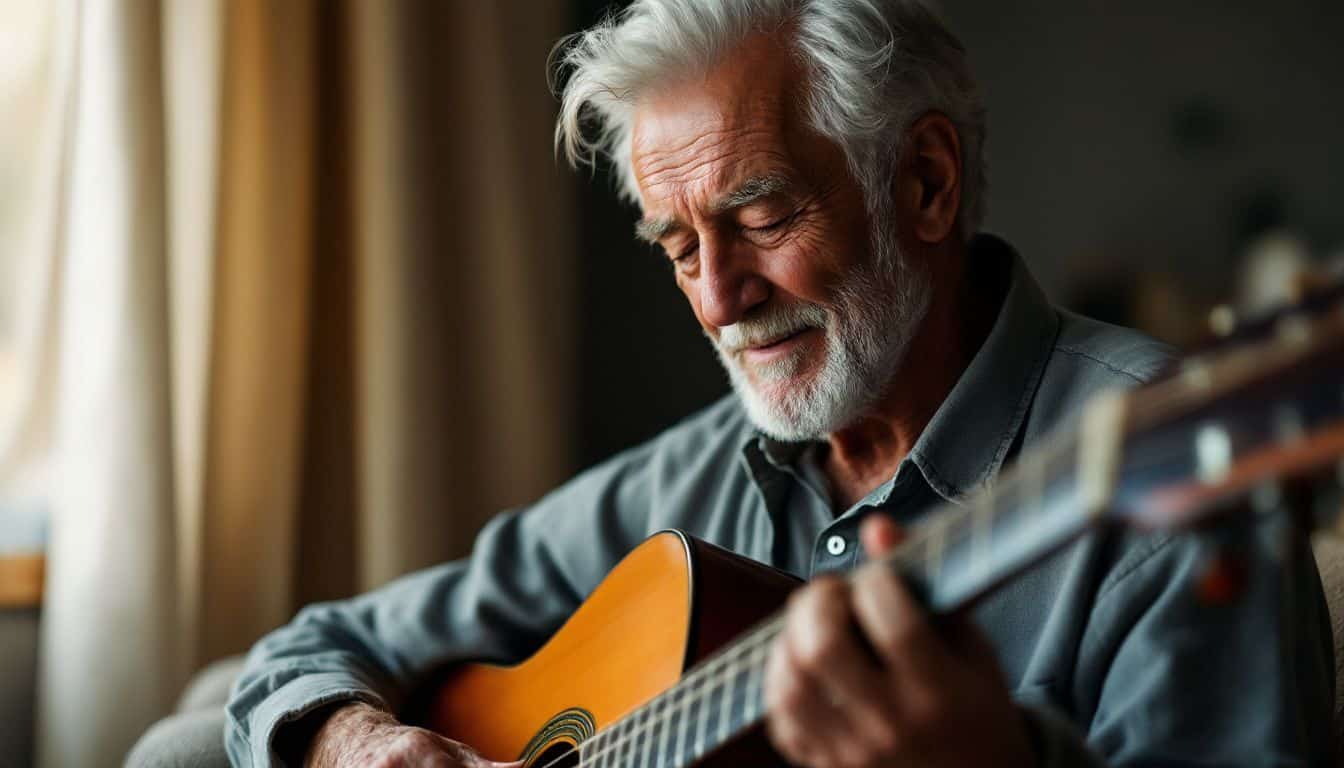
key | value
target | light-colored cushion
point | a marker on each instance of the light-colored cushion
(186, 740)
(194, 736)
(209, 688)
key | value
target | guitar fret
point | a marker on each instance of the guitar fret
(701, 719)
(651, 726)
(597, 745)
(611, 753)
(638, 723)
(669, 721)
(754, 704)
(679, 757)
(726, 706)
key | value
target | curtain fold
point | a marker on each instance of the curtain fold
(112, 568)
(193, 41)
(306, 312)
(463, 273)
(258, 363)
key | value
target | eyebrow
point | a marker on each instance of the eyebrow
(751, 190)
(653, 230)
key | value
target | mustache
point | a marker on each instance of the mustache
(771, 325)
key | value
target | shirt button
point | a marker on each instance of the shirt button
(836, 545)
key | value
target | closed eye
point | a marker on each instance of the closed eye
(686, 252)
(774, 225)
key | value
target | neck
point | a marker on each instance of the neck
(961, 313)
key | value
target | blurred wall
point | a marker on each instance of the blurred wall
(1158, 137)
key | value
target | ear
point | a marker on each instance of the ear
(929, 179)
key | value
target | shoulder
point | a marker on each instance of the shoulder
(1089, 357)
(1106, 352)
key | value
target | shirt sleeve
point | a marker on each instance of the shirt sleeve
(1170, 678)
(528, 571)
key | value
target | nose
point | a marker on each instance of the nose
(729, 283)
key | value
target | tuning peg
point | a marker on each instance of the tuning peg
(1222, 321)
(1214, 453)
(1293, 329)
(1222, 578)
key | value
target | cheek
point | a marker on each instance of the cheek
(805, 266)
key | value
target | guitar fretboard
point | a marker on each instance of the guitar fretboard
(962, 551)
(705, 710)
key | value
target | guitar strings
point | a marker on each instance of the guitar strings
(958, 524)
(742, 654)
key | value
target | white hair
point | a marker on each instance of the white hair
(872, 67)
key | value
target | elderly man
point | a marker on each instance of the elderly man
(813, 169)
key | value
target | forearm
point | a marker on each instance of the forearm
(376, 648)
(330, 654)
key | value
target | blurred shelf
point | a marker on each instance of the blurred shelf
(21, 580)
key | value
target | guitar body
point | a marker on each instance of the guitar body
(670, 603)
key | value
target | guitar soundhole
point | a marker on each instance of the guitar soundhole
(557, 756)
(554, 745)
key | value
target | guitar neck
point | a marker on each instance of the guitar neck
(961, 554)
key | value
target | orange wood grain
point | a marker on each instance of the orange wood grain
(623, 646)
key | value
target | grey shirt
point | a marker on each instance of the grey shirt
(1105, 645)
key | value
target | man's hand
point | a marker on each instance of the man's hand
(860, 678)
(361, 735)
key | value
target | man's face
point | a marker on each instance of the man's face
(771, 244)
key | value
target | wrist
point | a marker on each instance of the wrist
(320, 737)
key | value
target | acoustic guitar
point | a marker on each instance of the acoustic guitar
(662, 665)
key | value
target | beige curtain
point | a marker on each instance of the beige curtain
(463, 321)
(310, 322)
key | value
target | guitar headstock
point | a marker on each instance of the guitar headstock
(1243, 419)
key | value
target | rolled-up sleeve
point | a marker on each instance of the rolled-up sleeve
(528, 571)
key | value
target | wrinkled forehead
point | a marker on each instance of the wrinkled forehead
(696, 138)
(696, 152)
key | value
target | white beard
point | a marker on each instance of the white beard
(866, 335)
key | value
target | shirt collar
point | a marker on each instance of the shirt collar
(964, 445)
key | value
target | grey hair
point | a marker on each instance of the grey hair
(873, 67)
